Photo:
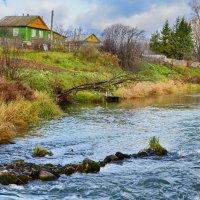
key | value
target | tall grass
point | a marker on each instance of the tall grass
(22, 112)
(143, 89)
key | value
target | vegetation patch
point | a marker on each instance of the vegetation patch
(40, 151)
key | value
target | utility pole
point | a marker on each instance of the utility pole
(52, 15)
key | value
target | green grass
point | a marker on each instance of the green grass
(70, 69)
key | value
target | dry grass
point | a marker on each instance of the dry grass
(143, 89)
(22, 112)
(12, 90)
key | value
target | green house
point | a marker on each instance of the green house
(27, 28)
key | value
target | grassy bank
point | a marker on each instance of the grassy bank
(20, 106)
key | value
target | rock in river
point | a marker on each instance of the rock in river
(46, 176)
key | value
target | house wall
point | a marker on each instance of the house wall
(29, 34)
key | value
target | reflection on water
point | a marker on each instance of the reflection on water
(165, 100)
(94, 131)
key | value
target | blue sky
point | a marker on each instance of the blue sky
(96, 15)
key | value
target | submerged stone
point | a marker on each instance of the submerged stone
(142, 154)
(122, 156)
(23, 178)
(46, 176)
(110, 158)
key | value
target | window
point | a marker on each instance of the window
(15, 32)
(40, 34)
(33, 33)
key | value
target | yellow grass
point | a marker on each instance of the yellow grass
(22, 112)
(143, 89)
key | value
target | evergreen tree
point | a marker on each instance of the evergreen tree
(184, 39)
(165, 45)
(176, 42)
(155, 43)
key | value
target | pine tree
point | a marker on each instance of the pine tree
(176, 42)
(165, 45)
(184, 39)
(155, 43)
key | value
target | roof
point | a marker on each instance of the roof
(17, 20)
(80, 38)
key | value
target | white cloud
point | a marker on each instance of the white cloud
(149, 20)
(95, 15)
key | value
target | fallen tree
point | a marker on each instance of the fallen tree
(102, 86)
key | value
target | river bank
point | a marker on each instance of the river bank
(69, 70)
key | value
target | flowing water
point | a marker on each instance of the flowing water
(95, 131)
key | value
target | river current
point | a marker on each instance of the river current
(95, 131)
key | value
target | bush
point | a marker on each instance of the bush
(11, 90)
(88, 52)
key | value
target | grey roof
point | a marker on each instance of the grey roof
(10, 21)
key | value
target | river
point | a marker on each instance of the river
(95, 131)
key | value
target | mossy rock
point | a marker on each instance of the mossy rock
(41, 152)
(91, 166)
(156, 146)
(110, 158)
(23, 178)
(80, 168)
(68, 170)
(122, 156)
(7, 178)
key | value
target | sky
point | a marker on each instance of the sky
(95, 15)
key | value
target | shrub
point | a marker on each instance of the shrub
(155, 144)
(88, 52)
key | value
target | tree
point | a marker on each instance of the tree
(183, 39)
(175, 42)
(125, 42)
(195, 22)
(155, 42)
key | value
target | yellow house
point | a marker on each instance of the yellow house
(85, 39)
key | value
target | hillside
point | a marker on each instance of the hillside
(33, 99)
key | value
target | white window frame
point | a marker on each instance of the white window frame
(33, 33)
(40, 34)
(15, 32)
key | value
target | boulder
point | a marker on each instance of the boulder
(122, 156)
(68, 170)
(91, 166)
(7, 178)
(142, 154)
(23, 178)
(110, 158)
(46, 176)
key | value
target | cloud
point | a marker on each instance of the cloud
(95, 15)
(149, 20)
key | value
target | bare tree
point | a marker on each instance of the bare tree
(195, 21)
(125, 42)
